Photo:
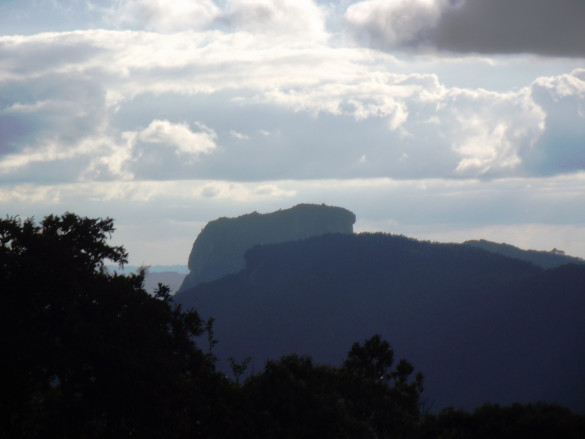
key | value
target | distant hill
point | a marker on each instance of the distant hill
(479, 325)
(181, 269)
(550, 259)
(219, 248)
(169, 275)
(172, 279)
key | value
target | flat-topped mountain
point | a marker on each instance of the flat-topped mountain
(219, 249)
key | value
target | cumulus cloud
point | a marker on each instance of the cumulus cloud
(561, 147)
(180, 137)
(432, 130)
(164, 16)
(494, 138)
(299, 17)
(544, 27)
(302, 18)
(114, 114)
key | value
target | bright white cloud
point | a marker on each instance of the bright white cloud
(180, 137)
(164, 16)
(302, 18)
(494, 131)
(112, 162)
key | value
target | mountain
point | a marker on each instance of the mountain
(480, 326)
(550, 259)
(219, 248)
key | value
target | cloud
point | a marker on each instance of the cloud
(164, 150)
(414, 203)
(239, 136)
(164, 16)
(431, 130)
(49, 118)
(180, 137)
(541, 27)
(391, 23)
(544, 27)
(113, 115)
(561, 148)
(303, 18)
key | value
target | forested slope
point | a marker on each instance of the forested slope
(482, 327)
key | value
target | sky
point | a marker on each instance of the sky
(443, 120)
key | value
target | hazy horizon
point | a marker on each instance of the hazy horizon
(444, 120)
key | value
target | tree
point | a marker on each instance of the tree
(294, 398)
(88, 353)
(387, 399)
(363, 398)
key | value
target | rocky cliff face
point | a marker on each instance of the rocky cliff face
(219, 249)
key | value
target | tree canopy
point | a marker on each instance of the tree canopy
(90, 351)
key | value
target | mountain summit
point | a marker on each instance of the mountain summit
(219, 249)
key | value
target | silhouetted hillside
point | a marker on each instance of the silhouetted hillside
(219, 249)
(550, 259)
(480, 326)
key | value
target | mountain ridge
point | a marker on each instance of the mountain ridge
(461, 314)
(546, 259)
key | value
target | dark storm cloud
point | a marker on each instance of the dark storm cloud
(544, 27)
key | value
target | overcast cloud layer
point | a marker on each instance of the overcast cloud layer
(435, 118)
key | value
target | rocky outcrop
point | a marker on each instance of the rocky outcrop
(219, 249)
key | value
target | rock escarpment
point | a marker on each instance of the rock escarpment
(219, 249)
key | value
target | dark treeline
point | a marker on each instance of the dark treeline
(87, 353)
